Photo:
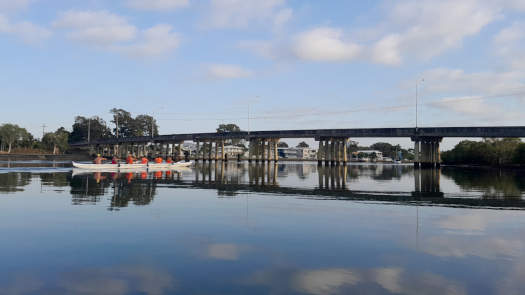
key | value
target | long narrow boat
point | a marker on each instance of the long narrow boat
(116, 167)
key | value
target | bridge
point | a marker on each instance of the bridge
(263, 144)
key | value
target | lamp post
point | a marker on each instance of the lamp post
(417, 85)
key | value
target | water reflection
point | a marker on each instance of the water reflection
(263, 229)
(398, 183)
(492, 183)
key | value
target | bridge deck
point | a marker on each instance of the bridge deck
(505, 131)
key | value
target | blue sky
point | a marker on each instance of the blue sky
(294, 64)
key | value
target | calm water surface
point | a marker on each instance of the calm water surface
(247, 229)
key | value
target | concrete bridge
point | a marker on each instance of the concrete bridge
(263, 144)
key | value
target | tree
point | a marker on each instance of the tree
(303, 144)
(56, 141)
(128, 126)
(123, 123)
(226, 128)
(282, 144)
(11, 134)
(145, 125)
(487, 152)
(95, 126)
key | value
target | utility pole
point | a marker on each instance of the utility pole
(417, 85)
(43, 130)
(89, 130)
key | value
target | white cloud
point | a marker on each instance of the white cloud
(26, 31)
(113, 32)
(155, 41)
(100, 28)
(224, 71)
(159, 5)
(412, 29)
(509, 43)
(425, 29)
(324, 44)
(458, 82)
(241, 13)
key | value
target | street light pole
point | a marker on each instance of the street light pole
(89, 130)
(417, 85)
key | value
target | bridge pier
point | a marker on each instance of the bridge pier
(275, 150)
(426, 151)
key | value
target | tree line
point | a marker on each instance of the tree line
(489, 151)
(16, 138)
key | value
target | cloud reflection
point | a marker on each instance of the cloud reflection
(347, 281)
(118, 280)
(223, 251)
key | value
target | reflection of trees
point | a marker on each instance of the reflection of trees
(55, 179)
(494, 183)
(88, 189)
(126, 188)
(13, 182)
(140, 192)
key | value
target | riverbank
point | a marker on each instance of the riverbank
(44, 157)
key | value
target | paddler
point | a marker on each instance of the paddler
(169, 160)
(114, 160)
(144, 160)
(130, 159)
(99, 159)
(158, 160)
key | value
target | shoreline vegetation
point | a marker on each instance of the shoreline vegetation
(493, 152)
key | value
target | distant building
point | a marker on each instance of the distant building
(233, 150)
(368, 154)
(297, 153)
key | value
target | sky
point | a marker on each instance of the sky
(284, 64)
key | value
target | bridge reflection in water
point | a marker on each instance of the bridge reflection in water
(384, 183)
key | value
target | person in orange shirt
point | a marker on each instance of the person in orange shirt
(130, 159)
(144, 160)
(169, 160)
(158, 160)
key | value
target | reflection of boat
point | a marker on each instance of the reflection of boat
(115, 167)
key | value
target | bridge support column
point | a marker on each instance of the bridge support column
(210, 147)
(269, 153)
(276, 151)
(337, 151)
(216, 151)
(326, 152)
(261, 150)
(332, 152)
(417, 146)
(223, 156)
(426, 150)
(250, 149)
(345, 154)
(196, 155)
(320, 153)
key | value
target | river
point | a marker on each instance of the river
(291, 228)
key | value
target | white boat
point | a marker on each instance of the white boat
(118, 167)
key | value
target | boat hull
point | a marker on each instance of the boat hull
(119, 167)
